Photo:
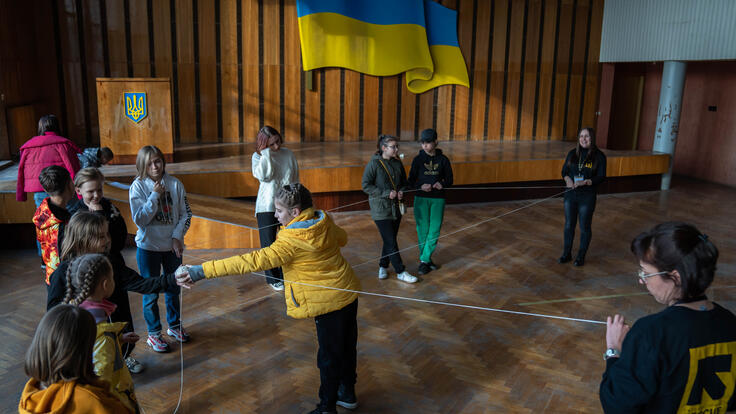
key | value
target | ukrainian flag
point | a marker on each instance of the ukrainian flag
(383, 38)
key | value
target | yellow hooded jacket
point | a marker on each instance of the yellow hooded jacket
(110, 365)
(68, 397)
(308, 251)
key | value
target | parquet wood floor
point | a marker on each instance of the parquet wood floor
(247, 356)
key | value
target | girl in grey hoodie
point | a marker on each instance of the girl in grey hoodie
(160, 209)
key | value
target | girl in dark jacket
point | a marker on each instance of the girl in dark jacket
(384, 180)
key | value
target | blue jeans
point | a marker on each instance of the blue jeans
(38, 199)
(578, 205)
(149, 263)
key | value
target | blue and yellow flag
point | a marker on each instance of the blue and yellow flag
(384, 38)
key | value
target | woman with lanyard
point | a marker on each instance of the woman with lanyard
(683, 358)
(384, 180)
(583, 171)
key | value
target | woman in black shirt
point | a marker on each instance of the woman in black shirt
(682, 359)
(583, 171)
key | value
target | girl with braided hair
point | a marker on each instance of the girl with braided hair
(320, 284)
(89, 283)
(87, 232)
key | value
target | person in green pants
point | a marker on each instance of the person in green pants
(430, 173)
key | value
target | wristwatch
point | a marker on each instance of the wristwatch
(611, 353)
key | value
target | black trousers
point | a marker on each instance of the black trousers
(268, 226)
(389, 229)
(337, 335)
(579, 205)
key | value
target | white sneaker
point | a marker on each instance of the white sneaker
(382, 272)
(406, 277)
(278, 286)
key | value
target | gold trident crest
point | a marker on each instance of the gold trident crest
(135, 106)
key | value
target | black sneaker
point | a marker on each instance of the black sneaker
(564, 258)
(346, 399)
(579, 261)
(319, 411)
(433, 266)
(424, 268)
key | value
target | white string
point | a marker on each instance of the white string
(467, 227)
(433, 302)
(181, 358)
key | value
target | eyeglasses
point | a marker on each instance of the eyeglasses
(643, 276)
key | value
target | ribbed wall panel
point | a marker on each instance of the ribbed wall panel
(658, 30)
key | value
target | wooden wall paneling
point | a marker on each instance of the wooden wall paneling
(312, 108)
(480, 70)
(45, 77)
(17, 71)
(293, 75)
(370, 108)
(162, 39)
(229, 110)
(72, 72)
(139, 39)
(389, 103)
(21, 124)
(546, 72)
(563, 55)
(462, 94)
(95, 62)
(251, 123)
(426, 111)
(408, 111)
(578, 65)
(351, 111)
(514, 70)
(116, 38)
(444, 108)
(593, 78)
(206, 69)
(271, 63)
(185, 71)
(497, 68)
(530, 71)
(332, 104)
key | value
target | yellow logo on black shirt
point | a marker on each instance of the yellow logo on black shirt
(431, 168)
(712, 379)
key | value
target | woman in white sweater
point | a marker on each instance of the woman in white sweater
(274, 166)
(159, 208)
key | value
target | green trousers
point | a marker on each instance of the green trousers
(428, 213)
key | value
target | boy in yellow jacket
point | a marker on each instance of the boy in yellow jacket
(319, 283)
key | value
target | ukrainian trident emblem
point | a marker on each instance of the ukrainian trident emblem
(135, 105)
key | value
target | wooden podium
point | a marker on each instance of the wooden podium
(134, 112)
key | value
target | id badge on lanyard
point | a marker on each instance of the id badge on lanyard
(579, 177)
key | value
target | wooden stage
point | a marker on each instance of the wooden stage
(223, 170)
(333, 172)
(247, 356)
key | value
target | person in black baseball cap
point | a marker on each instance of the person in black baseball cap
(430, 174)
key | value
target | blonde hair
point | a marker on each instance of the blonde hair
(81, 234)
(83, 275)
(294, 196)
(144, 156)
(87, 174)
(61, 349)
